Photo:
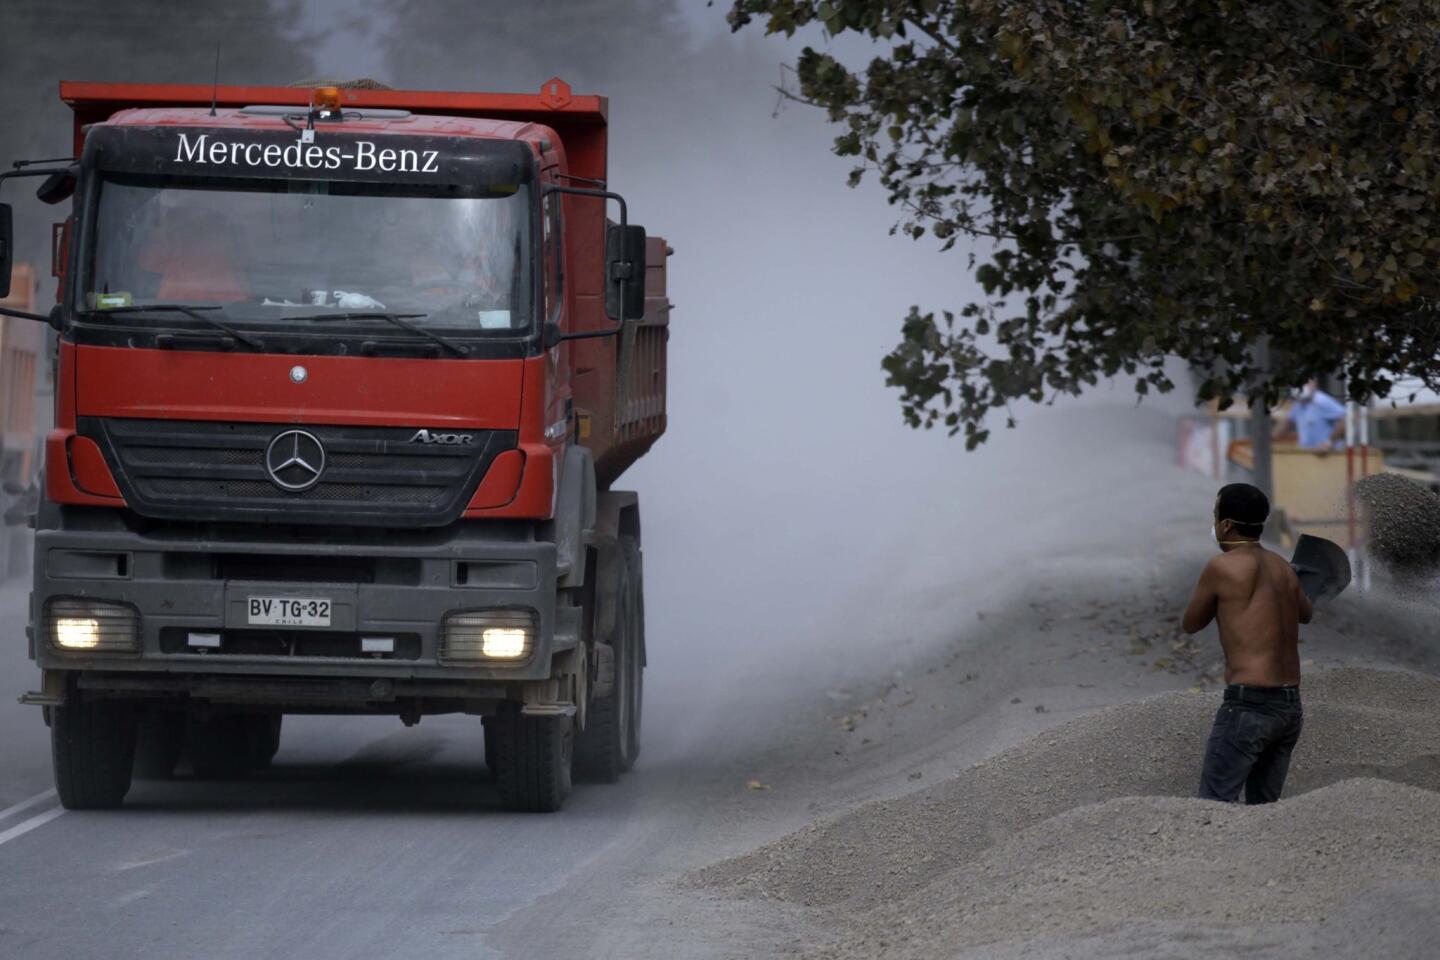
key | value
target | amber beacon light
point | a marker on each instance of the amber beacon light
(325, 101)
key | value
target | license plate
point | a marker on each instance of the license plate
(289, 612)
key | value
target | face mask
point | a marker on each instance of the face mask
(1222, 544)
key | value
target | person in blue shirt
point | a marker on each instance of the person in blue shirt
(1318, 419)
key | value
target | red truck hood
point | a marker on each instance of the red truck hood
(263, 388)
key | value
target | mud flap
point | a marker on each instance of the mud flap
(547, 698)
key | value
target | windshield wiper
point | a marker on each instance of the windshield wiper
(190, 310)
(401, 320)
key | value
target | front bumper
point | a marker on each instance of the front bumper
(400, 586)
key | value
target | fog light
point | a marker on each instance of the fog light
(477, 635)
(77, 633)
(92, 626)
(504, 643)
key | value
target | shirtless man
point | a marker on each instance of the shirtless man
(1255, 598)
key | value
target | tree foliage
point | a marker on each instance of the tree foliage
(1157, 177)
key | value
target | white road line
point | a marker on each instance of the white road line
(27, 804)
(25, 826)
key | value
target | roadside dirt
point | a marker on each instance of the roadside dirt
(1088, 826)
(1074, 834)
(1103, 867)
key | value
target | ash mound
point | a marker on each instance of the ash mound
(1166, 860)
(1359, 723)
(1404, 522)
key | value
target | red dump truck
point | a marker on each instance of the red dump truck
(346, 377)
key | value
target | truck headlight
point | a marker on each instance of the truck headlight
(92, 626)
(479, 635)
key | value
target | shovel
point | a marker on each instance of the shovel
(1323, 568)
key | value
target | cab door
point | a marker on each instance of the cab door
(558, 402)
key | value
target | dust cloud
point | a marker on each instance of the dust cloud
(796, 532)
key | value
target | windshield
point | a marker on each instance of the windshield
(290, 253)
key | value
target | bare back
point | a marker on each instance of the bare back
(1256, 601)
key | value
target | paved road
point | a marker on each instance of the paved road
(366, 838)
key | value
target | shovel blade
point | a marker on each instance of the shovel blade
(1322, 566)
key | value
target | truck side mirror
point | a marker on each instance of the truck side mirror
(625, 261)
(57, 187)
(7, 248)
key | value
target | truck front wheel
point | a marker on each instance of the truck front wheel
(92, 744)
(532, 759)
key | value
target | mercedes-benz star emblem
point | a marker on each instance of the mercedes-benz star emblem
(298, 374)
(295, 459)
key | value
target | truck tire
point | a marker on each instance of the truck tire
(92, 745)
(533, 757)
(635, 655)
(219, 747)
(602, 749)
(161, 741)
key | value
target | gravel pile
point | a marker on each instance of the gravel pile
(1404, 522)
(1163, 859)
(1092, 821)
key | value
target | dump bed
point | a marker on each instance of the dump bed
(639, 386)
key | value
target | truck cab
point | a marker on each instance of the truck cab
(344, 380)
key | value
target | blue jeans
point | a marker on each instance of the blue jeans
(1255, 731)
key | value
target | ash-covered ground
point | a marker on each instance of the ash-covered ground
(1082, 840)
(1088, 829)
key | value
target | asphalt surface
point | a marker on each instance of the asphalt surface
(365, 838)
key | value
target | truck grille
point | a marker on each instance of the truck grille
(205, 471)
